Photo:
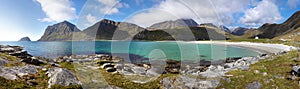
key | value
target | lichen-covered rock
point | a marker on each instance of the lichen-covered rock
(14, 73)
(61, 76)
(186, 82)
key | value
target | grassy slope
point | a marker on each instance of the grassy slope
(278, 67)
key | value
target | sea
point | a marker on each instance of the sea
(174, 50)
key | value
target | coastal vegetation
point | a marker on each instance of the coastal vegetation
(271, 73)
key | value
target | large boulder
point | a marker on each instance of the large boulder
(14, 73)
(296, 71)
(61, 76)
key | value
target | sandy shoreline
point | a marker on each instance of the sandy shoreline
(260, 47)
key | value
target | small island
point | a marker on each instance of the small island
(25, 39)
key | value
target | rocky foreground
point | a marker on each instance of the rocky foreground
(106, 71)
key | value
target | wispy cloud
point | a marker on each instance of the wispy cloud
(265, 12)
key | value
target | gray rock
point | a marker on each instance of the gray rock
(54, 64)
(295, 71)
(9, 73)
(254, 85)
(7, 49)
(61, 76)
(111, 69)
(27, 69)
(14, 73)
(186, 82)
(33, 61)
(3, 62)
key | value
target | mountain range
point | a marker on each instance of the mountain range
(181, 29)
(111, 30)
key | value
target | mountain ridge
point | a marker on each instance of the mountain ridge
(111, 30)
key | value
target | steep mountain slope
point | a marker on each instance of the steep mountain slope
(276, 30)
(111, 30)
(173, 24)
(183, 33)
(59, 32)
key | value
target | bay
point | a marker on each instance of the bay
(141, 49)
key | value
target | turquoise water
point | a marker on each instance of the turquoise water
(152, 50)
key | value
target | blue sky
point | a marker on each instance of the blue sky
(20, 18)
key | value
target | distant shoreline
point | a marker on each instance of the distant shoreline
(267, 48)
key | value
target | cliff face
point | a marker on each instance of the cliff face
(25, 39)
(111, 30)
(59, 32)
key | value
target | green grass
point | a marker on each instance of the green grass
(12, 60)
(67, 65)
(280, 66)
(9, 57)
(10, 84)
(123, 82)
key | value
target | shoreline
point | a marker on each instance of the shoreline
(266, 48)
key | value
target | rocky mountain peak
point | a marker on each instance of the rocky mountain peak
(59, 31)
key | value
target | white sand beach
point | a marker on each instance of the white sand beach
(261, 47)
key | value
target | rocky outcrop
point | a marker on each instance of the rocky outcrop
(186, 82)
(25, 39)
(14, 73)
(61, 76)
(23, 55)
